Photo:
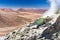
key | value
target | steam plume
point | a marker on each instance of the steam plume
(54, 5)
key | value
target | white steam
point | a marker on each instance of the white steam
(54, 5)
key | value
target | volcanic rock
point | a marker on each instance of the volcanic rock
(28, 33)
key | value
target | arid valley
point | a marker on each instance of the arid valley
(11, 20)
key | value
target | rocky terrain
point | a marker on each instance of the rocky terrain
(46, 31)
(13, 19)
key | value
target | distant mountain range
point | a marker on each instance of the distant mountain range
(32, 10)
(22, 12)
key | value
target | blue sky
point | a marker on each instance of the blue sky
(24, 4)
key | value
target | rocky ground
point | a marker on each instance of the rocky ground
(44, 32)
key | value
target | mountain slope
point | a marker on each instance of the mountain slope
(12, 19)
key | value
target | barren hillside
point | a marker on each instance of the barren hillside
(11, 20)
(30, 13)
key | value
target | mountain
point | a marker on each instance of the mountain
(13, 19)
(32, 10)
(31, 13)
(46, 31)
